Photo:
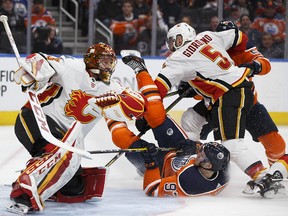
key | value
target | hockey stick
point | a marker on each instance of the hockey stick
(171, 94)
(141, 134)
(35, 104)
(128, 150)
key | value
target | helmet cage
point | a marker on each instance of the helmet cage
(100, 59)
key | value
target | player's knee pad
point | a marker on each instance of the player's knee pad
(192, 123)
(94, 180)
(274, 145)
(246, 160)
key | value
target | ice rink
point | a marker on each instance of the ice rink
(123, 194)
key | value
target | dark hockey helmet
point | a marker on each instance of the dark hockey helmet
(226, 25)
(217, 154)
(100, 60)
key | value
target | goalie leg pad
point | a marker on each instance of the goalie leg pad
(94, 179)
(47, 174)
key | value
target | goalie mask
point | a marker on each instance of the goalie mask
(179, 35)
(100, 61)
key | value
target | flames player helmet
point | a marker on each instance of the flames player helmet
(100, 60)
(217, 154)
(226, 25)
(179, 35)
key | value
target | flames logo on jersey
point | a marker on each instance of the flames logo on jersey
(76, 105)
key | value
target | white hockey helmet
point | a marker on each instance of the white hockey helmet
(179, 35)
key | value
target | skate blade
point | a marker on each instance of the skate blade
(18, 209)
(272, 194)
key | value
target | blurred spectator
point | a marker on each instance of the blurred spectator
(243, 6)
(40, 16)
(187, 19)
(211, 4)
(269, 24)
(144, 41)
(15, 22)
(48, 42)
(125, 27)
(270, 49)
(192, 3)
(214, 23)
(108, 10)
(141, 7)
(277, 4)
(171, 12)
(20, 7)
(253, 34)
(17, 27)
(234, 14)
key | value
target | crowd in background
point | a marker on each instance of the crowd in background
(131, 22)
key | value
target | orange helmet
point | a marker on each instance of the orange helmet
(100, 61)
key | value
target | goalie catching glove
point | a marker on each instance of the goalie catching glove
(128, 105)
(34, 73)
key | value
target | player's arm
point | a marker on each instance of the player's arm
(121, 135)
(254, 60)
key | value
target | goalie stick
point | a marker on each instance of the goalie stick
(35, 104)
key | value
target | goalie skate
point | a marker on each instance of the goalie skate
(18, 208)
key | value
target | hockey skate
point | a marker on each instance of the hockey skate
(268, 187)
(20, 205)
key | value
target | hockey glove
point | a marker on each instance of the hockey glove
(142, 125)
(133, 60)
(149, 155)
(255, 68)
(186, 90)
(187, 147)
(34, 73)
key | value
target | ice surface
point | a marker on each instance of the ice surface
(123, 194)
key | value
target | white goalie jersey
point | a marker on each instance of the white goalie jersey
(66, 97)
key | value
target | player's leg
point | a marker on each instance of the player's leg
(28, 133)
(262, 128)
(193, 120)
(155, 113)
(228, 118)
